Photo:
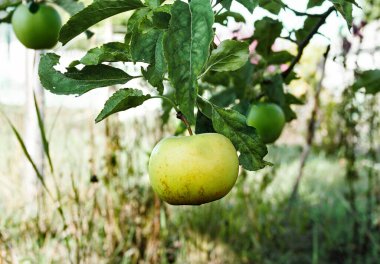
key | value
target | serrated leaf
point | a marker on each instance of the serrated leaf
(369, 80)
(122, 100)
(109, 52)
(186, 45)
(230, 55)
(94, 13)
(232, 124)
(266, 32)
(155, 72)
(76, 81)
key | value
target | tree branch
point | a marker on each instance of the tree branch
(306, 41)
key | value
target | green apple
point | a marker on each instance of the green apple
(38, 29)
(193, 170)
(268, 119)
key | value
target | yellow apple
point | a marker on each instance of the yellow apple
(193, 170)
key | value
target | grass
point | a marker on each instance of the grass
(113, 220)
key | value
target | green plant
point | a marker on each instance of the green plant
(193, 170)
(268, 119)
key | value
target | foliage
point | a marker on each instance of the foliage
(176, 40)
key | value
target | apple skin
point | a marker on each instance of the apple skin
(38, 30)
(268, 119)
(193, 170)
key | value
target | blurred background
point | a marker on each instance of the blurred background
(327, 211)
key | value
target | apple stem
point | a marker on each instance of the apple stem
(179, 115)
(182, 117)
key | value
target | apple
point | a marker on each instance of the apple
(39, 28)
(268, 119)
(193, 170)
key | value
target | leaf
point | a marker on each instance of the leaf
(308, 26)
(280, 57)
(291, 99)
(94, 13)
(232, 124)
(186, 45)
(270, 5)
(161, 16)
(223, 17)
(226, 4)
(230, 55)
(314, 3)
(109, 52)
(369, 80)
(203, 124)
(266, 32)
(345, 7)
(44, 140)
(122, 100)
(70, 6)
(76, 81)
(27, 154)
(144, 42)
(155, 72)
(274, 89)
(249, 4)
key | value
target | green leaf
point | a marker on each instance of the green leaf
(314, 3)
(76, 81)
(291, 99)
(232, 124)
(109, 52)
(122, 100)
(230, 55)
(274, 89)
(70, 6)
(308, 26)
(266, 32)
(369, 80)
(94, 13)
(155, 72)
(161, 16)
(186, 44)
(249, 4)
(143, 45)
(226, 4)
(223, 17)
(270, 5)
(345, 7)
(280, 57)
(44, 140)
(203, 124)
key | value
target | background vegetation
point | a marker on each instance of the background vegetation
(318, 203)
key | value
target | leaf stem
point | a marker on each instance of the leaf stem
(168, 100)
(182, 117)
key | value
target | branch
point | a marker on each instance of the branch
(311, 131)
(306, 41)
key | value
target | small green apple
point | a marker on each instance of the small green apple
(268, 119)
(193, 170)
(38, 29)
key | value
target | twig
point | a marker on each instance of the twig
(306, 41)
(311, 132)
